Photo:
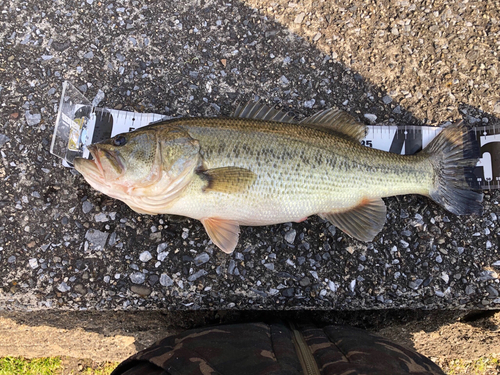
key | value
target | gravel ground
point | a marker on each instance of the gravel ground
(64, 246)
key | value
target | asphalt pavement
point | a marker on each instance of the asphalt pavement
(65, 246)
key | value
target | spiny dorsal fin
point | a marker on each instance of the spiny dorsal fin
(223, 233)
(362, 222)
(334, 119)
(260, 111)
(228, 179)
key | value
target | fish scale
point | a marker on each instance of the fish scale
(327, 160)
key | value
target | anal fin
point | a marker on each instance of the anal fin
(362, 222)
(223, 233)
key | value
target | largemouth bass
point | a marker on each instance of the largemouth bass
(261, 167)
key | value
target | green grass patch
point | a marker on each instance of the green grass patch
(35, 366)
(54, 366)
(482, 366)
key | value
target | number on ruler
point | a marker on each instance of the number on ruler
(367, 142)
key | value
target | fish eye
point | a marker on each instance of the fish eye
(120, 140)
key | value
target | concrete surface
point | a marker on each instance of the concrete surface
(64, 246)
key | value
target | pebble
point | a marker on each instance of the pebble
(33, 262)
(98, 98)
(469, 289)
(145, 256)
(309, 103)
(290, 236)
(137, 278)
(89, 55)
(87, 207)
(101, 217)
(3, 139)
(33, 119)
(165, 280)
(269, 266)
(201, 259)
(333, 286)
(112, 239)
(153, 279)
(493, 293)
(370, 117)
(96, 238)
(231, 267)
(288, 292)
(439, 293)
(141, 290)
(161, 247)
(352, 285)
(496, 107)
(299, 18)
(415, 284)
(161, 256)
(445, 277)
(387, 99)
(305, 281)
(79, 288)
(63, 287)
(197, 275)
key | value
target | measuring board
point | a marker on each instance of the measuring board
(80, 124)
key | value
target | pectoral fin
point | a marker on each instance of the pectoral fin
(363, 222)
(228, 179)
(223, 233)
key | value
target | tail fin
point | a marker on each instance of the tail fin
(451, 189)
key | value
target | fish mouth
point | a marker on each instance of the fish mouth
(89, 169)
(94, 170)
(114, 165)
(93, 151)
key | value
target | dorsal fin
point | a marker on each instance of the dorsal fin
(334, 119)
(260, 111)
